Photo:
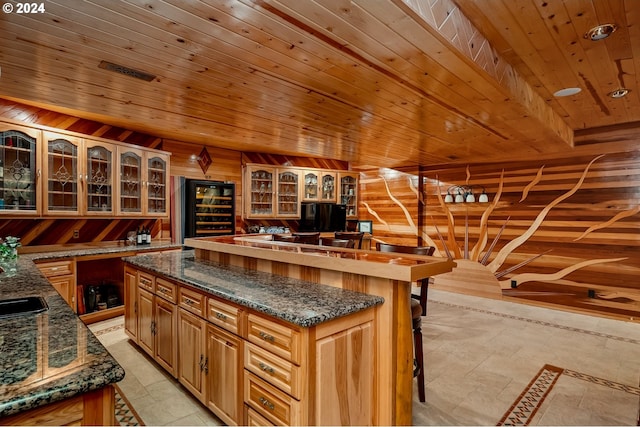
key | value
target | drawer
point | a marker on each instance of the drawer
(192, 301)
(57, 268)
(271, 403)
(224, 315)
(273, 369)
(146, 280)
(254, 419)
(166, 289)
(275, 337)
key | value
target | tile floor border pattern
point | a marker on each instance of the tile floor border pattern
(113, 328)
(125, 414)
(538, 322)
(529, 401)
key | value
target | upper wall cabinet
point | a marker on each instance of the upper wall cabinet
(348, 195)
(62, 175)
(259, 190)
(319, 186)
(278, 191)
(144, 179)
(80, 176)
(19, 170)
(99, 178)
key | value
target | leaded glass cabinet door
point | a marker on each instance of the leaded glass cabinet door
(62, 175)
(131, 182)
(99, 178)
(157, 181)
(18, 171)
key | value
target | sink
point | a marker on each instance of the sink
(21, 306)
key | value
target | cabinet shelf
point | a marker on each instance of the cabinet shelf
(100, 315)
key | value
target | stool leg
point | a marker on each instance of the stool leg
(417, 342)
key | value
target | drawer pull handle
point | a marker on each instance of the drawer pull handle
(189, 301)
(267, 337)
(221, 316)
(268, 369)
(266, 403)
(163, 290)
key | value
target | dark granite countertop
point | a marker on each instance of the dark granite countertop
(50, 356)
(296, 301)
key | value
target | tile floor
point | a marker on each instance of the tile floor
(487, 363)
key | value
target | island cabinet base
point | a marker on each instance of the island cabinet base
(96, 408)
(248, 367)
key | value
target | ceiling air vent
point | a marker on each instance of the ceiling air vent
(126, 71)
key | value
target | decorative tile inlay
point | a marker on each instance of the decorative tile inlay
(125, 415)
(540, 322)
(527, 404)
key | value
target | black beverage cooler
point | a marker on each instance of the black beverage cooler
(210, 208)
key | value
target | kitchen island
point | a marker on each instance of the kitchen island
(385, 275)
(54, 370)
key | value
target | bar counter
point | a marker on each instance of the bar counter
(386, 275)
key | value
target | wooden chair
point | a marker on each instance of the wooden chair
(348, 235)
(284, 238)
(340, 243)
(308, 238)
(418, 309)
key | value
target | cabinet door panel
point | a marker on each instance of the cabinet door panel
(18, 170)
(131, 303)
(191, 330)
(166, 326)
(145, 320)
(98, 178)
(63, 187)
(345, 399)
(224, 396)
(130, 188)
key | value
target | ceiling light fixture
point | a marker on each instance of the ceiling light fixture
(600, 32)
(568, 91)
(619, 93)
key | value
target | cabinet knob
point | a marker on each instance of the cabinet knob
(266, 403)
(266, 368)
(221, 316)
(267, 337)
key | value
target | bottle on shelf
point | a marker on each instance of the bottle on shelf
(139, 236)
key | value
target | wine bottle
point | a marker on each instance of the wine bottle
(139, 236)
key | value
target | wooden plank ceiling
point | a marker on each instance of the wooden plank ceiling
(373, 82)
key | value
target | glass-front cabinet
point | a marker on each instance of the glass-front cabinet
(319, 186)
(288, 194)
(98, 178)
(144, 179)
(260, 200)
(130, 189)
(349, 193)
(157, 184)
(19, 170)
(62, 174)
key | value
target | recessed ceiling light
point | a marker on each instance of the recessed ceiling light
(567, 91)
(600, 32)
(619, 93)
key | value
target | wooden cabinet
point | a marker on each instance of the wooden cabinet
(19, 170)
(62, 174)
(71, 175)
(259, 190)
(288, 193)
(224, 375)
(191, 352)
(153, 322)
(348, 192)
(62, 275)
(277, 192)
(252, 369)
(99, 178)
(144, 180)
(131, 302)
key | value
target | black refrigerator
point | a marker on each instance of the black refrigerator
(210, 208)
